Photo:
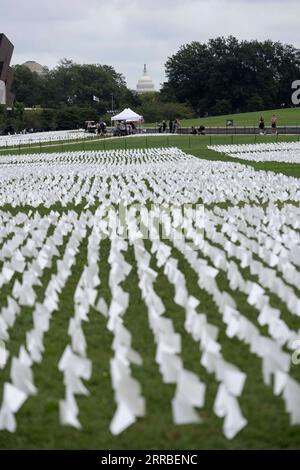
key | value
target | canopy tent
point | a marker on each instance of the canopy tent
(127, 115)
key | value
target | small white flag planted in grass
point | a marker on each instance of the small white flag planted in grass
(190, 389)
(226, 406)
(13, 399)
(68, 412)
(232, 378)
(122, 419)
(170, 366)
(22, 377)
(80, 366)
(243, 274)
(291, 396)
(3, 354)
(102, 307)
(183, 412)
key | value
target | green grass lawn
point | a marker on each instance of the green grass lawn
(38, 419)
(286, 117)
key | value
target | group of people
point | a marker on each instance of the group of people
(174, 126)
(200, 131)
(124, 128)
(262, 125)
(128, 128)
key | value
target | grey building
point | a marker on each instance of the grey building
(6, 72)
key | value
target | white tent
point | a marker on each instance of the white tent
(127, 115)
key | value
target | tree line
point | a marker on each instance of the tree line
(64, 98)
(222, 76)
(226, 76)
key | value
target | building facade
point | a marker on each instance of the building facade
(6, 72)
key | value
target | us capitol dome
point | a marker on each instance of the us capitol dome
(145, 84)
(35, 67)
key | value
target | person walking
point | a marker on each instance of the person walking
(102, 127)
(129, 128)
(122, 128)
(176, 126)
(262, 126)
(164, 126)
(274, 124)
(171, 126)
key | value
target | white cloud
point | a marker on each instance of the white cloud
(126, 34)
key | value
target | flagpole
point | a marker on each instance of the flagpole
(112, 102)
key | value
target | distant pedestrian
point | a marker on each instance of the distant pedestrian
(102, 127)
(164, 126)
(176, 126)
(122, 128)
(171, 126)
(129, 128)
(262, 126)
(274, 124)
(202, 130)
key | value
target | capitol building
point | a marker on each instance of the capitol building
(35, 67)
(145, 84)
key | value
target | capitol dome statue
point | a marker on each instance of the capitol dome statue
(145, 84)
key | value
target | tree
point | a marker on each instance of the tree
(28, 86)
(226, 75)
(49, 119)
(154, 109)
(2, 117)
(75, 85)
(71, 84)
(66, 94)
(15, 118)
(222, 107)
(33, 119)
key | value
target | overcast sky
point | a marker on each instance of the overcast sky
(128, 33)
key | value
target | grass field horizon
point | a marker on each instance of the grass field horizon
(286, 117)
